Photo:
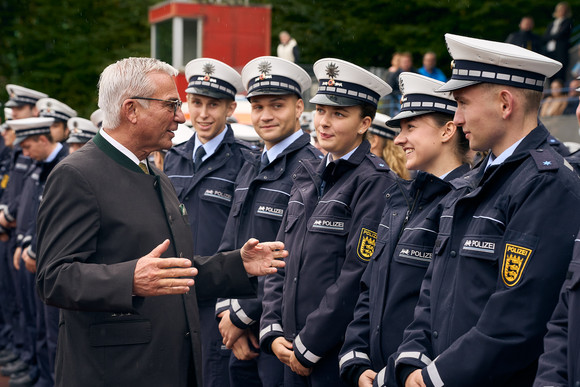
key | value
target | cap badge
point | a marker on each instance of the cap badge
(264, 68)
(332, 72)
(452, 64)
(208, 70)
(401, 85)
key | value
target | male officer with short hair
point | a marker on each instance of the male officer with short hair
(506, 236)
(275, 88)
(203, 171)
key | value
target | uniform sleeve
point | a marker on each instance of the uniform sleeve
(513, 322)
(271, 319)
(68, 223)
(415, 350)
(324, 328)
(553, 364)
(356, 348)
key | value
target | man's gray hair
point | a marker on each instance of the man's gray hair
(124, 79)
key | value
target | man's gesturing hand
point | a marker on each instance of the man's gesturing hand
(156, 276)
(263, 258)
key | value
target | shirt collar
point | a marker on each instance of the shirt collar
(503, 156)
(211, 146)
(119, 147)
(52, 156)
(345, 157)
(282, 145)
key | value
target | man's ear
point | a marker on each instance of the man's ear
(129, 110)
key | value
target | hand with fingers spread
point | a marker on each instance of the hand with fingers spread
(155, 276)
(263, 258)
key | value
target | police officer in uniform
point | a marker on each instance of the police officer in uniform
(203, 171)
(437, 149)
(81, 131)
(505, 239)
(21, 357)
(330, 228)
(275, 87)
(34, 136)
(61, 112)
(560, 363)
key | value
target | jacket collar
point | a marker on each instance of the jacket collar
(114, 154)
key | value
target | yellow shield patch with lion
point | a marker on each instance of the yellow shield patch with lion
(515, 259)
(366, 244)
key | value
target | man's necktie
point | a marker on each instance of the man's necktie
(265, 161)
(199, 153)
(143, 167)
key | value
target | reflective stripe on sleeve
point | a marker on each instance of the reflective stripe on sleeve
(305, 352)
(351, 355)
(434, 375)
(223, 304)
(271, 328)
(240, 313)
(381, 377)
(413, 355)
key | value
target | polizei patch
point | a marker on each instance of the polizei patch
(515, 259)
(366, 244)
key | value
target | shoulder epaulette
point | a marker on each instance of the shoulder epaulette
(546, 160)
(380, 164)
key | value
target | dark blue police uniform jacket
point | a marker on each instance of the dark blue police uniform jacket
(207, 194)
(10, 198)
(390, 284)
(559, 366)
(499, 261)
(260, 202)
(30, 199)
(330, 239)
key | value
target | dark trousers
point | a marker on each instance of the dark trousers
(324, 373)
(215, 356)
(265, 370)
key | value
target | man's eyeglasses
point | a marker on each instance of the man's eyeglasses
(173, 102)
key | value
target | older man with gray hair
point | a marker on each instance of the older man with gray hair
(115, 249)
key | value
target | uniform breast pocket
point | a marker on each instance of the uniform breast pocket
(272, 201)
(484, 248)
(220, 191)
(414, 255)
(329, 225)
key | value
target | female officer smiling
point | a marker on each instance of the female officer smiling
(436, 148)
(330, 229)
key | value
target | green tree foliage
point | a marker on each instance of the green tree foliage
(60, 48)
(368, 32)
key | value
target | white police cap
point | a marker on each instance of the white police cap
(81, 130)
(21, 96)
(97, 118)
(420, 97)
(270, 75)
(27, 127)
(50, 107)
(341, 83)
(212, 78)
(8, 113)
(484, 61)
(380, 128)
